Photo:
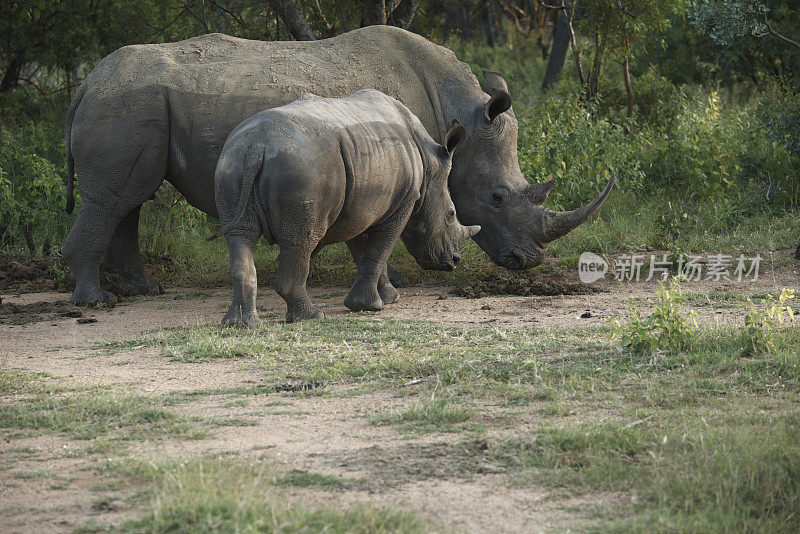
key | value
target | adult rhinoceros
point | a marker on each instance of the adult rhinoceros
(163, 111)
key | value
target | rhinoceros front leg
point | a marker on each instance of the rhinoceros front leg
(387, 292)
(245, 282)
(290, 283)
(378, 243)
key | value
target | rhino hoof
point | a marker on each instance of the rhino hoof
(293, 316)
(389, 295)
(89, 298)
(357, 305)
(235, 318)
(141, 286)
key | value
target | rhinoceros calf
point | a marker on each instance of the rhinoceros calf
(317, 171)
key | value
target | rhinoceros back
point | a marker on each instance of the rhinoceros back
(196, 91)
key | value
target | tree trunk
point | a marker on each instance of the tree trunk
(374, 13)
(626, 75)
(296, 24)
(592, 84)
(558, 53)
(404, 13)
(11, 74)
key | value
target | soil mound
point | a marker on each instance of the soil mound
(522, 283)
(38, 311)
(34, 275)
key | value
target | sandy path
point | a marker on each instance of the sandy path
(329, 435)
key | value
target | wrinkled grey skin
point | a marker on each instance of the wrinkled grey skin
(318, 171)
(152, 112)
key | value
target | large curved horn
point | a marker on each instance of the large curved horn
(558, 224)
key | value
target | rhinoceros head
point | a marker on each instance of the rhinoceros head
(433, 233)
(489, 189)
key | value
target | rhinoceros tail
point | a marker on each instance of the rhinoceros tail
(248, 171)
(76, 100)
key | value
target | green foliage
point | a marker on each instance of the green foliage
(665, 328)
(695, 155)
(690, 51)
(765, 326)
(560, 137)
(779, 114)
(728, 20)
(32, 195)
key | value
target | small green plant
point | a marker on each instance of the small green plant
(765, 326)
(667, 327)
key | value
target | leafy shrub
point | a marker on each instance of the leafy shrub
(665, 328)
(779, 114)
(658, 102)
(32, 191)
(563, 137)
(698, 154)
(764, 328)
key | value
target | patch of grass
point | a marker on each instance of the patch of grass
(38, 474)
(305, 479)
(237, 495)
(13, 382)
(354, 349)
(108, 485)
(88, 415)
(231, 421)
(717, 299)
(518, 365)
(438, 415)
(698, 476)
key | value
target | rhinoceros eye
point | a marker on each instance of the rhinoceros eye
(499, 197)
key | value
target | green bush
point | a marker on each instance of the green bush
(563, 137)
(665, 328)
(32, 192)
(764, 328)
(779, 114)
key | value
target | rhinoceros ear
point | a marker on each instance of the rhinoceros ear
(497, 104)
(496, 86)
(494, 82)
(454, 135)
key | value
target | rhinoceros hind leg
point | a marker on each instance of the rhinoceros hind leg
(83, 249)
(245, 281)
(290, 283)
(123, 257)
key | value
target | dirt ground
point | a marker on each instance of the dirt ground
(450, 482)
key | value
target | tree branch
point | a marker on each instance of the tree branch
(295, 22)
(404, 12)
(233, 15)
(548, 6)
(779, 36)
(625, 10)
